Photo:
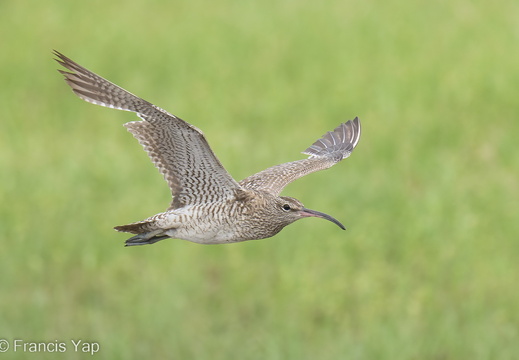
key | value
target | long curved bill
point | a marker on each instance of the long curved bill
(307, 212)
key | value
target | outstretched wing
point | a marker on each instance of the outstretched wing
(178, 149)
(324, 153)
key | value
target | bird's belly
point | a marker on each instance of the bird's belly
(204, 228)
(205, 235)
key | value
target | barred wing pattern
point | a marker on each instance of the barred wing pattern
(333, 147)
(178, 149)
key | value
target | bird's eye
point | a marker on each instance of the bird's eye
(286, 207)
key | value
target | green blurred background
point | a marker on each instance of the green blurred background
(428, 268)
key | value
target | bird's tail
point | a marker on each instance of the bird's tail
(146, 233)
(137, 227)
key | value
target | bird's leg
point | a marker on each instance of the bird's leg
(146, 238)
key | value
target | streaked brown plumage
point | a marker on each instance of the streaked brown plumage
(208, 206)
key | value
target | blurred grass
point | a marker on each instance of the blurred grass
(428, 266)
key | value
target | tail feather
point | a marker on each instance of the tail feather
(136, 228)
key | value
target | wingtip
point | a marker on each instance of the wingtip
(60, 58)
(357, 131)
(341, 141)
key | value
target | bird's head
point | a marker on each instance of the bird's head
(289, 210)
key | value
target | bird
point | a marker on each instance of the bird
(208, 205)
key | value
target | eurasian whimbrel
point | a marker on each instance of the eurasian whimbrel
(209, 206)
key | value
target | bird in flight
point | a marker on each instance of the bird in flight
(208, 206)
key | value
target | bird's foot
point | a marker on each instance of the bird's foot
(146, 238)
